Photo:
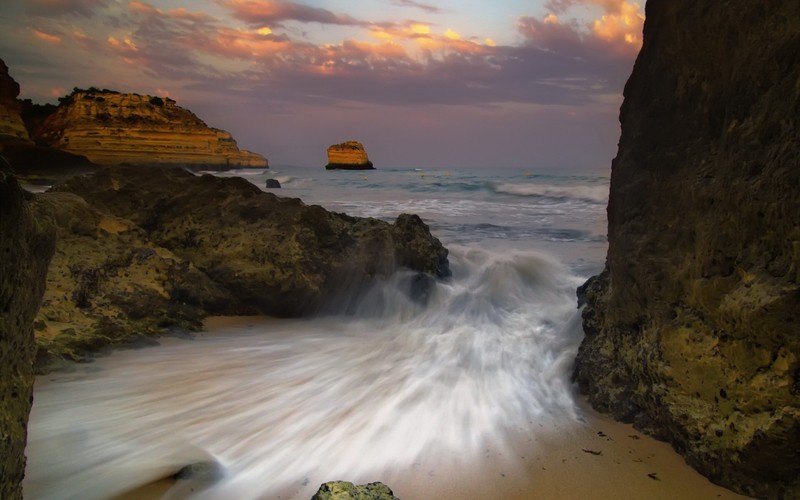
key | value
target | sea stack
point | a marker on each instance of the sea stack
(349, 155)
(692, 329)
(112, 128)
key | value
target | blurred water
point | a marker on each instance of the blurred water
(283, 405)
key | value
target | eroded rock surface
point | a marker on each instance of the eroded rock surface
(112, 128)
(343, 490)
(349, 155)
(11, 123)
(143, 249)
(692, 330)
(26, 245)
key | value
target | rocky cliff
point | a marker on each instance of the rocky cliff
(349, 155)
(140, 251)
(692, 329)
(112, 128)
(10, 121)
(26, 245)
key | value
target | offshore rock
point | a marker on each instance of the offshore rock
(112, 128)
(141, 250)
(692, 328)
(26, 245)
(349, 155)
(342, 490)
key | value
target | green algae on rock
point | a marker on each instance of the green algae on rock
(342, 490)
(26, 246)
(144, 249)
(691, 329)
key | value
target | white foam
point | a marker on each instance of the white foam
(290, 403)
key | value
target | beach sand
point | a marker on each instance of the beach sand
(595, 458)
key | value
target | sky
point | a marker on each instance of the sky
(421, 83)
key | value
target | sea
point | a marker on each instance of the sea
(392, 391)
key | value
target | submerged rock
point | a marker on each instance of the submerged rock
(342, 490)
(112, 128)
(691, 330)
(141, 250)
(349, 155)
(26, 245)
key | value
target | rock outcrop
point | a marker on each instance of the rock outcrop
(342, 490)
(26, 245)
(143, 250)
(112, 128)
(11, 123)
(349, 155)
(692, 328)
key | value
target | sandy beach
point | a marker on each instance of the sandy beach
(595, 457)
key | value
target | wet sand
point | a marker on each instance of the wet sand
(596, 458)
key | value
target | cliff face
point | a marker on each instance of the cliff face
(692, 329)
(141, 250)
(349, 155)
(26, 245)
(10, 121)
(112, 128)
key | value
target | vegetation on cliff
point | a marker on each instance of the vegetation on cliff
(691, 330)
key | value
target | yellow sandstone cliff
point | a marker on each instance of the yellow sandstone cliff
(113, 128)
(11, 124)
(349, 155)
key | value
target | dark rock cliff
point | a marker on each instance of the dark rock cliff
(141, 250)
(26, 246)
(692, 330)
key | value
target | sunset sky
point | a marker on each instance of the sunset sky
(428, 83)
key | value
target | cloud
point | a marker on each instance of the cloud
(431, 9)
(47, 37)
(269, 12)
(621, 21)
(58, 8)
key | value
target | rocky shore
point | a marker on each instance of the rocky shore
(691, 329)
(141, 251)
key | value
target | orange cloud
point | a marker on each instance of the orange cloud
(624, 25)
(46, 37)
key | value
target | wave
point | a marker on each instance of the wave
(594, 194)
(379, 390)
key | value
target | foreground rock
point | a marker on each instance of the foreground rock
(349, 155)
(692, 329)
(143, 250)
(342, 490)
(112, 128)
(26, 245)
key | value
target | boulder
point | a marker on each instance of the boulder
(691, 329)
(26, 245)
(141, 250)
(349, 155)
(342, 490)
(273, 184)
(112, 128)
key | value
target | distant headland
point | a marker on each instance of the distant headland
(106, 127)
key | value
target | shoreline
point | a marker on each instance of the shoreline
(595, 457)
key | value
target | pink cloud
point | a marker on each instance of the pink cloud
(267, 12)
(47, 37)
